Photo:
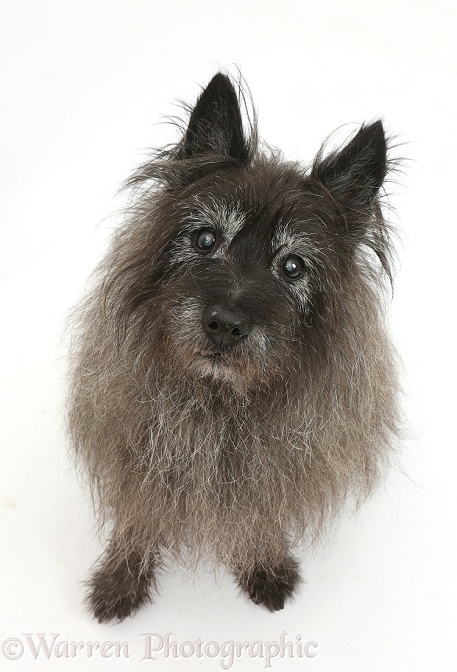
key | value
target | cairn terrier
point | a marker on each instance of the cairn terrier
(232, 383)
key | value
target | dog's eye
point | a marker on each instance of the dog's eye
(205, 239)
(293, 266)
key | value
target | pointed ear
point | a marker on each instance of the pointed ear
(215, 125)
(354, 174)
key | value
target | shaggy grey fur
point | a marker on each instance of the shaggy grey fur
(235, 453)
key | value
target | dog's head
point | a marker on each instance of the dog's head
(244, 267)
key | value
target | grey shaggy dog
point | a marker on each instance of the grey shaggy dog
(232, 384)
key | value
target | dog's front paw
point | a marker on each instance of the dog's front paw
(272, 587)
(112, 607)
(115, 595)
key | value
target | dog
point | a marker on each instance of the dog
(233, 387)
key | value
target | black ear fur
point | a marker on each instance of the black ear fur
(354, 174)
(215, 125)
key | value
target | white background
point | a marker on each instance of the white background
(84, 86)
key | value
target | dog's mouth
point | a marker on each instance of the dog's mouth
(214, 357)
(217, 360)
(228, 365)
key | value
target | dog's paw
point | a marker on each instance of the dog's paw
(113, 596)
(272, 587)
(112, 607)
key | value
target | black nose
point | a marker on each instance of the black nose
(225, 326)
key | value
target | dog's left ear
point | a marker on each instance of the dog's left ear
(215, 125)
(354, 174)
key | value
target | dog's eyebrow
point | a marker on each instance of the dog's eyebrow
(285, 237)
(299, 242)
(228, 218)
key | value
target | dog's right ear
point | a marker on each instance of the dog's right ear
(215, 124)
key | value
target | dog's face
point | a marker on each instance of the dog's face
(247, 267)
(251, 258)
